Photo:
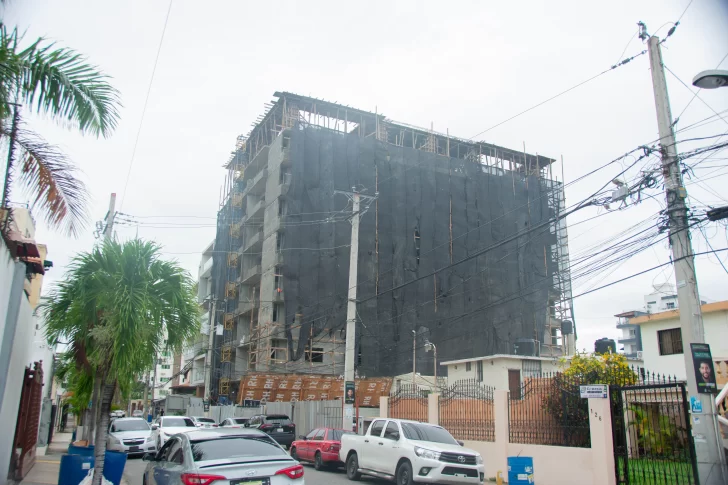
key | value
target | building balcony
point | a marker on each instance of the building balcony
(277, 295)
(254, 243)
(630, 340)
(626, 325)
(285, 183)
(256, 186)
(251, 275)
(255, 211)
(206, 269)
(246, 306)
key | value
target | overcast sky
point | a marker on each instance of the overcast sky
(462, 65)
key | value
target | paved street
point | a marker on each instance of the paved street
(135, 467)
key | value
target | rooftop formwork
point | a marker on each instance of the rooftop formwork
(431, 252)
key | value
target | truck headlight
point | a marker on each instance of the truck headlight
(425, 453)
(478, 459)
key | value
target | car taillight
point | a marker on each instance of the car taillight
(197, 479)
(294, 472)
(266, 426)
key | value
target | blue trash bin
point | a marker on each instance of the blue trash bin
(114, 463)
(520, 470)
(81, 450)
(74, 468)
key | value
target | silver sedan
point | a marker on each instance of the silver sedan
(205, 456)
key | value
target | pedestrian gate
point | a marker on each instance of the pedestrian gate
(653, 443)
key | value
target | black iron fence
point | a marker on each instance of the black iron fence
(408, 402)
(653, 442)
(466, 410)
(548, 410)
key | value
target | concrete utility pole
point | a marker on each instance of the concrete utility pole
(208, 358)
(350, 355)
(711, 462)
(109, 228)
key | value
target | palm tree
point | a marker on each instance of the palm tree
(59, 83)
(114, 306)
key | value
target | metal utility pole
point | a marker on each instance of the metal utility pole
(350, 355)
(414, 358)
(208, 358)
(109, 227)
(711, 462)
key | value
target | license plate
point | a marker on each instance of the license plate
(133, 448)
(279, 430)
(251, 481)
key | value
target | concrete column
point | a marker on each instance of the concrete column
(600, 425)
(502, 438)
(383, 406)
(433, 408)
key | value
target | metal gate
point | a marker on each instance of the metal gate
(653, 443)
(408, 402)
(26, 430)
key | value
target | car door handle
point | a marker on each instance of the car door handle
(381, 444)
(366, 441)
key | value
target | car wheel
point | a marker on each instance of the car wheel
(293, 453)
(352, 468)
(404, 474)
(318, 463)
(159, 443)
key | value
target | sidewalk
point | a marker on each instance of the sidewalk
(46, 468)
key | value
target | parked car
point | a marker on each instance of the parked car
(234, 422)
(130, 435)
(117, 414)
(203, 422)
(408, 451)
(137, 413)
(277, 426)
(165, 426)
(320, 446)
(203, 456)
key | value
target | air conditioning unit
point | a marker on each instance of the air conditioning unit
(639, 355)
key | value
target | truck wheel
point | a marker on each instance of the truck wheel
(352, 468)
(318, 463)
(404, 474)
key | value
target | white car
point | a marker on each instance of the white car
(165, 426)
(234, 423)
(130, 435)
(203, 422)
(410, 452)
(137, 413)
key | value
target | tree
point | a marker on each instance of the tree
(59, 83)
(113, 306)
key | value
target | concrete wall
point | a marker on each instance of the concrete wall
(19, 350)
(716, 334)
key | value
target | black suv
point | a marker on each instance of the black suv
(277, 426)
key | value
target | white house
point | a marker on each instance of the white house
(501, 371)
(662, 345)
(663, 298)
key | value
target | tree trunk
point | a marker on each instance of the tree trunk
(90, 415)
(107, 394)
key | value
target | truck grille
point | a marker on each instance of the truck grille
(457, 458)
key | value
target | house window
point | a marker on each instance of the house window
(670, 341)
(315, 354)
(531, 368)
(479, 370)
(670, 305)
(165, 366)
(468, 366)
(278, 279)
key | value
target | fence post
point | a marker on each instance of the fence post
(433, 408)
(501, 424)
(602, 446)
(383, 406)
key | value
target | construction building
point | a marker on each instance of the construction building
(460, 244)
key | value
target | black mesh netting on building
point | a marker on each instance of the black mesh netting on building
(475, 308)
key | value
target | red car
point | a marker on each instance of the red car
(320, 446)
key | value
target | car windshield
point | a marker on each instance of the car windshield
(434, 434)
(241, 420)
(178, 423)
(130, 425)
(278, 419)
(336, 434)
(236, 448)
(206, 420)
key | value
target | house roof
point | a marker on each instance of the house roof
(630, 314)
(498, 356)
(674, 314)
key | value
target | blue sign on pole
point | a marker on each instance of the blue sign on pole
(696, 407)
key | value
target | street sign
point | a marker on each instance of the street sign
(206, 405)
(598, 391)
(696, 407)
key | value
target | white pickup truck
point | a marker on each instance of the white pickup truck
(410, 452)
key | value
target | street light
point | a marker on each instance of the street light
(711, 79)
(430, 346)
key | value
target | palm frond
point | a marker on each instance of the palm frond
(60, 82)
(51, 179)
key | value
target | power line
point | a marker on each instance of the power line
(146, 102)
(695, 95)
